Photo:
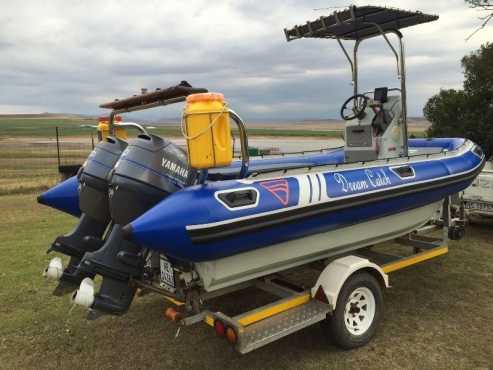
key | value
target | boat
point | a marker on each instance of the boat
(477, 199)
(184, 223)
(237, 230)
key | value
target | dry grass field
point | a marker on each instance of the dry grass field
(31, 164)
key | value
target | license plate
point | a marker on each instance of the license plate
(167, 275)
(479, 206)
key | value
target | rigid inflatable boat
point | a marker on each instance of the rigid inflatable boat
(272, 222)
(187, 222)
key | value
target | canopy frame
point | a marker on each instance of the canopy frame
(362, 23)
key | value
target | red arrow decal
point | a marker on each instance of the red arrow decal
(279, 189)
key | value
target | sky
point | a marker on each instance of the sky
(70, 56)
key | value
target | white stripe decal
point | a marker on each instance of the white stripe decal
(304, 190)
(323, 188)
(315, 187)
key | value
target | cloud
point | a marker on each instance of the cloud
(70, 56)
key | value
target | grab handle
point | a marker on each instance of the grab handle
(245, 157)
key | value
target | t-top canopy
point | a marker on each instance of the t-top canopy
(357, 23)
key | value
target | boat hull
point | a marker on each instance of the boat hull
(242, 267)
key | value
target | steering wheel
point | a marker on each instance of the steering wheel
(359, 105)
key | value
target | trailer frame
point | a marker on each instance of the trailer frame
(297, 305)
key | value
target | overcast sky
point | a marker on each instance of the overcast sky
(70, 56)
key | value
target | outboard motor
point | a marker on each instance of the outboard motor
(92, 186)
(148, 171)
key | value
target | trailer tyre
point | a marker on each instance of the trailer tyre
(358, 311)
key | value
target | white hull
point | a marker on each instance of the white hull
(242, 267)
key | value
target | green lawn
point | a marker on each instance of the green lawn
(438, 315)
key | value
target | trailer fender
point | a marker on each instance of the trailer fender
(338, 271)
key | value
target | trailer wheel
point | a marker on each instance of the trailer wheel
(456, 232)
(358, 311)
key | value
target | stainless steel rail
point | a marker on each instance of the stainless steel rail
(401, 71)
(132, 124)
(245, 157)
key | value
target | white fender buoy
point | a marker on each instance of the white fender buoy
(55, 269)
(84, 296)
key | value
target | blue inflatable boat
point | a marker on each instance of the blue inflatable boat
(224, 218)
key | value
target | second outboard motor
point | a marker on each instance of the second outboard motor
(148, 171)
(93, 204)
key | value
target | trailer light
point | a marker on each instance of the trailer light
(231, 335)
(320, 295)
(219, 328)
(172, 314)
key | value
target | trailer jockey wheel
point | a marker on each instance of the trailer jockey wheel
(358, 312)
(456, 232)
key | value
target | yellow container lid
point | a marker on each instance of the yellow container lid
(203, 97)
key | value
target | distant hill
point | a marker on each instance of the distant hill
(48, 116)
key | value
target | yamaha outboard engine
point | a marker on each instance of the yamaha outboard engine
(148, 171)
(92, 183)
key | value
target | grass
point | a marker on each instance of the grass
(29, 166)
(438, 315)
(43, 127)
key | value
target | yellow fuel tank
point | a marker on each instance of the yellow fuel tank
(207, 130)
(104, 128)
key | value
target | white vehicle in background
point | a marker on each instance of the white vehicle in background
(478, 198)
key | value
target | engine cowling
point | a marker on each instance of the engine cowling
(94, 178)
(149, 169)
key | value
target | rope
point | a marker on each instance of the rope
(214, 121)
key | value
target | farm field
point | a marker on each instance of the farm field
(438, 314)
(45, 127)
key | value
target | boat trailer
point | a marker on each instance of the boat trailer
(300, 302)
